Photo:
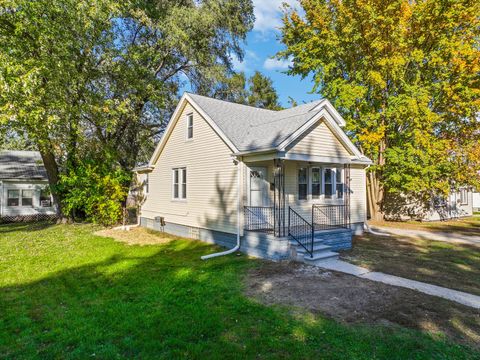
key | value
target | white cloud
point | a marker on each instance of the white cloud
(249, 61)
(239, 65)
(276, 64)
(268, 14)
(251, 54)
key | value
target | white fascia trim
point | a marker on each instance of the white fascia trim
(363, 161)
(333, 112)
(212, 123)
(143, 169)
(174, 119)
(317, 159)
(256, 151)
(167, 131)
(331, 123)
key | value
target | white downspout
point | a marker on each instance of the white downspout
(237, 247)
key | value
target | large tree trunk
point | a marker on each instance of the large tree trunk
(53, 177)
(375, 195)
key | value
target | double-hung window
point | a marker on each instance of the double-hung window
(302, 183)
(179, 177)
(13, 198)
(463, 197)
(27, 197)
(147, 184)
(316, 182)
(189, 126)
(339, 183)
(328, 178)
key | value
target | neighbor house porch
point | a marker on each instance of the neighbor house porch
(303, 204)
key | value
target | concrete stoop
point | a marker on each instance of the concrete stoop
(325, 245)
(321, 252)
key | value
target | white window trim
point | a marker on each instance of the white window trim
(308, 195)
(188, 127)
(180, 184)
(321, 199)
(310, 186)
(333, 182)
(19, 198)
(32, 197)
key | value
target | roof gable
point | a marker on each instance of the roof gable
(319, 140)
(173, 121)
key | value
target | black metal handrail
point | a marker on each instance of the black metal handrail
(326, 217)
(301, 230)
(259, 218)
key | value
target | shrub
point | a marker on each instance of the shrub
(94, 193)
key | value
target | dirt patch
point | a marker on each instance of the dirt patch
(136, 236)
(350, 299)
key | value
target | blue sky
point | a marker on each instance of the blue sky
(262, 43)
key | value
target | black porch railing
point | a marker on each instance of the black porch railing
(326, 217)
(301, 230)
(260, 218)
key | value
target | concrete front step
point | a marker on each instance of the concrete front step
(317, 247)
(319, 257)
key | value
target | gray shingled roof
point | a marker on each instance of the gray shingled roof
(250, 128)
(24, 165)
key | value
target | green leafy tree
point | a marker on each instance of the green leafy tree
(11, 140)
(97, 79)
(94, 192)
(262, 94)
(231, 88)
(405, 75)
(47, 52)
(257, 91)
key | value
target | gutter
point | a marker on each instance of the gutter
(257, 151)
(237, 246)
(143, 169)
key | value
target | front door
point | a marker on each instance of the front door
(258, 186)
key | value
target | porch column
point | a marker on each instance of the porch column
(279, 196)
(347, 192)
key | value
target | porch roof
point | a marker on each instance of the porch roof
(270, 155)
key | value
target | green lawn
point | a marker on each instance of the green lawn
(452, 265)
(66, 293)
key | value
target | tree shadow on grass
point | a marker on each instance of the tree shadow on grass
(164, 302)
(467, 226)
(24, 226)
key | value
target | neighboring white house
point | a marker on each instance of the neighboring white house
(458, 204)
(476, 201)
(288, 182)
(24, 193)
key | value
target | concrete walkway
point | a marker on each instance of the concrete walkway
(452, 237)
(449, 294)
